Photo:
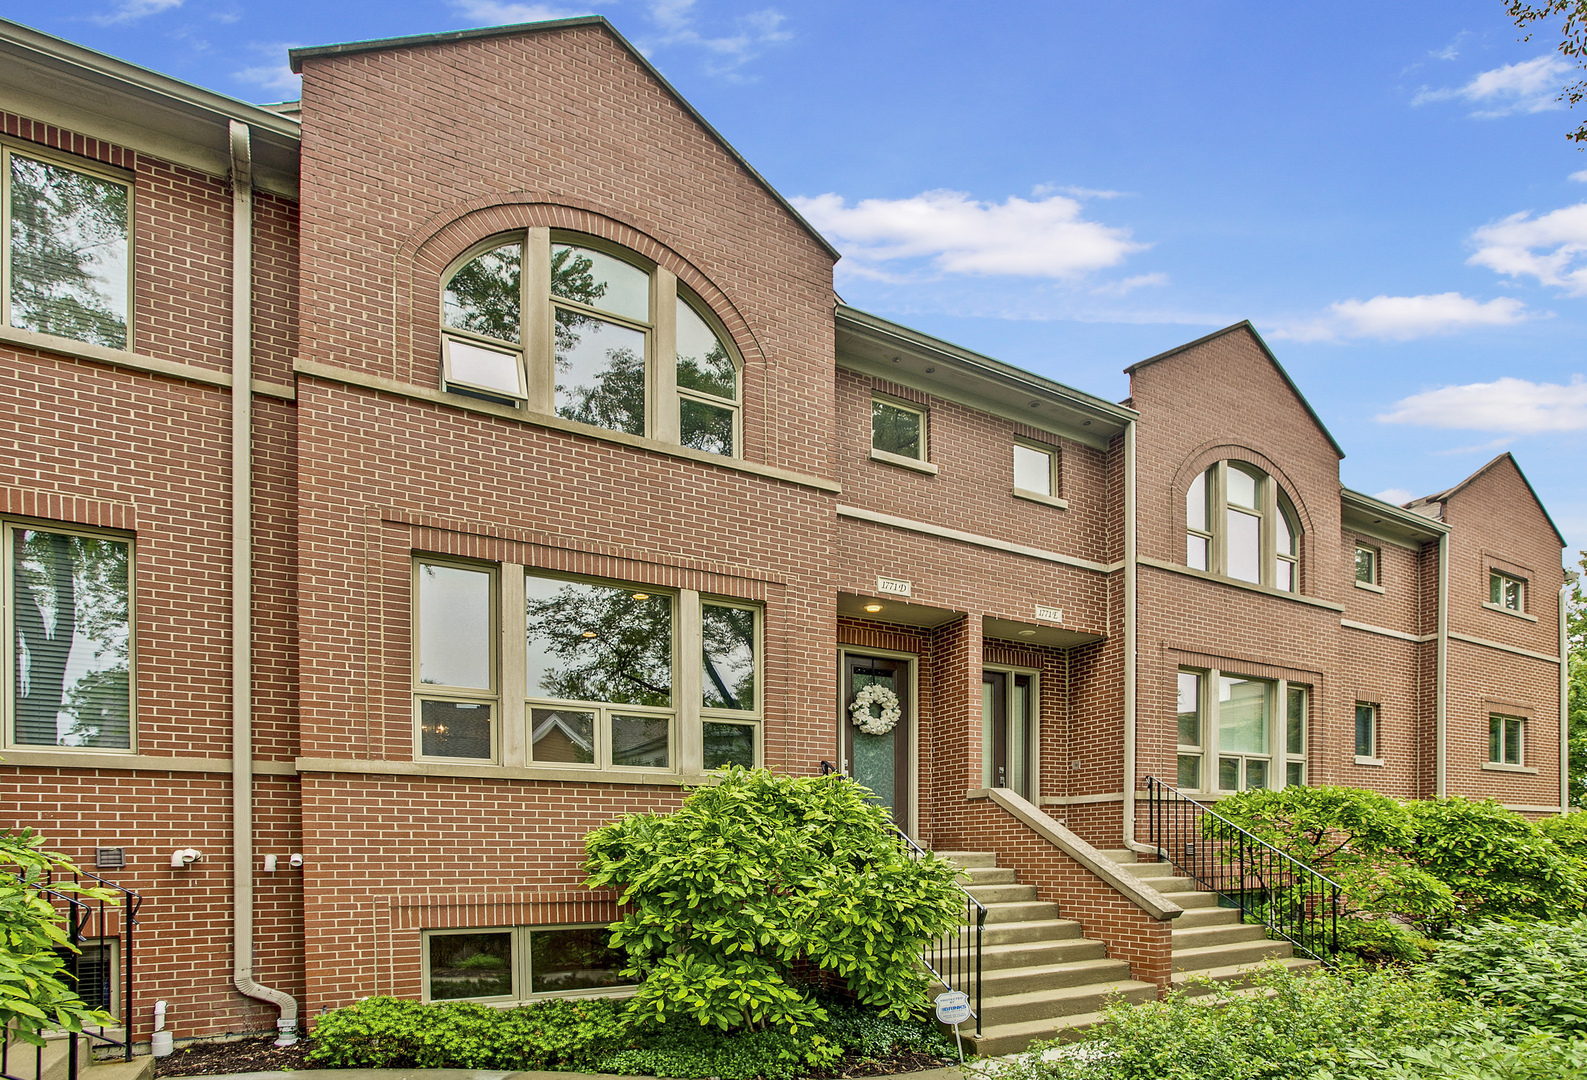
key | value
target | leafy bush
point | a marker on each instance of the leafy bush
(1474, 1057)
(1536, 970)
(598, 1035)
(1569, 831)
(1309, 1023)
(34, 995)
(1496, 862)
(750, 876)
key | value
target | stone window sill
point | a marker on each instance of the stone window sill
(1045, 500)
(1369, 587)
(904, 462)
(1499, 766)
(1375, 762)
(1502, 610)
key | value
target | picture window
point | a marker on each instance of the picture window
(68, 603)
(1226, 736)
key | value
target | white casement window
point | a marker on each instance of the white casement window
(65, 262)
(898, 431)
(1367, 565)
(506, 964)
(572, 325)
(69, 645)
(1227, 739)
(1506, 592)
(1506, 739)
(1240, 524)
(599, 670)
(1035, 470)
(1366, 730)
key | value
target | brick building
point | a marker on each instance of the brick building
(306, 404)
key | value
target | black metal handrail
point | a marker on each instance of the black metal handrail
(106, 923)
(1294, 901)
(954, 956)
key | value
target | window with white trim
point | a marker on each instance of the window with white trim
(1226, 736)
(1036, 469)
(1506, 739)
(69, 648)
(1240, 524)
(1506, 591)
(501, 965)
(898, 430)
(65, 257)
(575, 326)
(1366, 730)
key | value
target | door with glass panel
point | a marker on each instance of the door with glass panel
(1007, 732)
(878, 762)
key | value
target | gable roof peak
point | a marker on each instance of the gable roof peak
(1247, 326)
(1447, 494)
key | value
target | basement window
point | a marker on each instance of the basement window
(504, 965)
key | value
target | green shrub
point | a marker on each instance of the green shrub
(1382, 941)
(1496, 862)
(1536, 970)
(1475, 1057)
(750, 876)
(1311, 1022)
(1569, 831)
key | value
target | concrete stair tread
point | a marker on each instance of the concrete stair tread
(969, 858)
(1068, 970)
(1197, 937)
(1002, 894)
(1125, 985)
(1016, 1038)
(1196, 918)
(1241, 952)
(1059, 928)
(1021, 911)
(1232, 972)
(139, 1068)
(1060, 945)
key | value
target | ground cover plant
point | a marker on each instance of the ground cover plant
(607, 1035)
(762, 876)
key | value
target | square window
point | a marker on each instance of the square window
(1033, 469)
(898, 430)
(1505, 591)
(1366, 565)
(729, 744)
(1189, 772)
(455, 729)
(641, 742)
(1366, 730)
(562, 736)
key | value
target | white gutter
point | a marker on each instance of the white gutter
(1564, 695)
(1130, 572)
(1441, 672)
(241, 588)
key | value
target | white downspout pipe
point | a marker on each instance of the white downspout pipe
(1441, 673)
(242, 588)
(1130, 572)
(1564, 694)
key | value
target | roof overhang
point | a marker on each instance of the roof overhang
(46, 78)
(874, 346)
(1387, 522)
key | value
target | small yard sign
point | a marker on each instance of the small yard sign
(953, 1007)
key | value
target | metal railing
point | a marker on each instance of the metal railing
(98, 966)
(1294, 902)
(954, 959)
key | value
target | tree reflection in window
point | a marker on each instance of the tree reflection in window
(598, 643)
(485, 295)
(729, 653)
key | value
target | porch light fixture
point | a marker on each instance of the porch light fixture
(1027, 633)
(873, 607)
(588, 633)
(641, 596)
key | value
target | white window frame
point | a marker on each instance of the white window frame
(1277, 756)
(8, 603)
(1502, 579)
(921, 463)
(536, 348)
(423, 692)
(1374, 712)
(88, 167)
(1504, 720)
(1374, 582)
(520, 966)
(1271, 506)
(1051, 496)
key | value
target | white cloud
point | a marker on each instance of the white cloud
(275, 76)
(1507, 404)
(1041, 237)
(1128, 285)
(1077, 192)
(1397, 496)
(1402, 318)
(1529, 86)
(1544, 248)
(1580, 176)
(493, 13)
(748, 37)
(133, 10)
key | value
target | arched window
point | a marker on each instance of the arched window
(1240, 524)
(572, 325)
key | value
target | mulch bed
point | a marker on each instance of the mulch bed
(244, 1055)
(259, 1055)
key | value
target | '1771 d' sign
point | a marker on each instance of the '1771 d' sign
(889, 586)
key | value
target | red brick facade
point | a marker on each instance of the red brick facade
(410, 155)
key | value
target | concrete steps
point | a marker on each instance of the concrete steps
(1040, 978)
(1209, 941)
(25, 1062)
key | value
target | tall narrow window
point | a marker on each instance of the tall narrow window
(1240, 524)
(455, 669)
(68, 610)
(1244, 730)
(1505, 735)
(1190, 738)
(1366, 730)
(728, 690)
(1198, 538)
(1366, 565)
(68, 269)
(707, 385)
(1294, 736)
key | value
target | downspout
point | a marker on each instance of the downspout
(1129, 640)
(1564, 694)
(1441, 672)
(241, 588)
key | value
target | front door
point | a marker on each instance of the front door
(1007, 743)
(879, 762)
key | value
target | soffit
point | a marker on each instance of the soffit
(47, 79)
(894, 610)
(886, 350)
(1022, 633)
(1388, 522)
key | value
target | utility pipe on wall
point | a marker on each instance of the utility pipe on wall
(242, 589)
(1441, 671)
(1129, 635)
(1564, 694)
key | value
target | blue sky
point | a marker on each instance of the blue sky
(1385, 190)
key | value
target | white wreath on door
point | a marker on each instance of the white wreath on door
(881, 698)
